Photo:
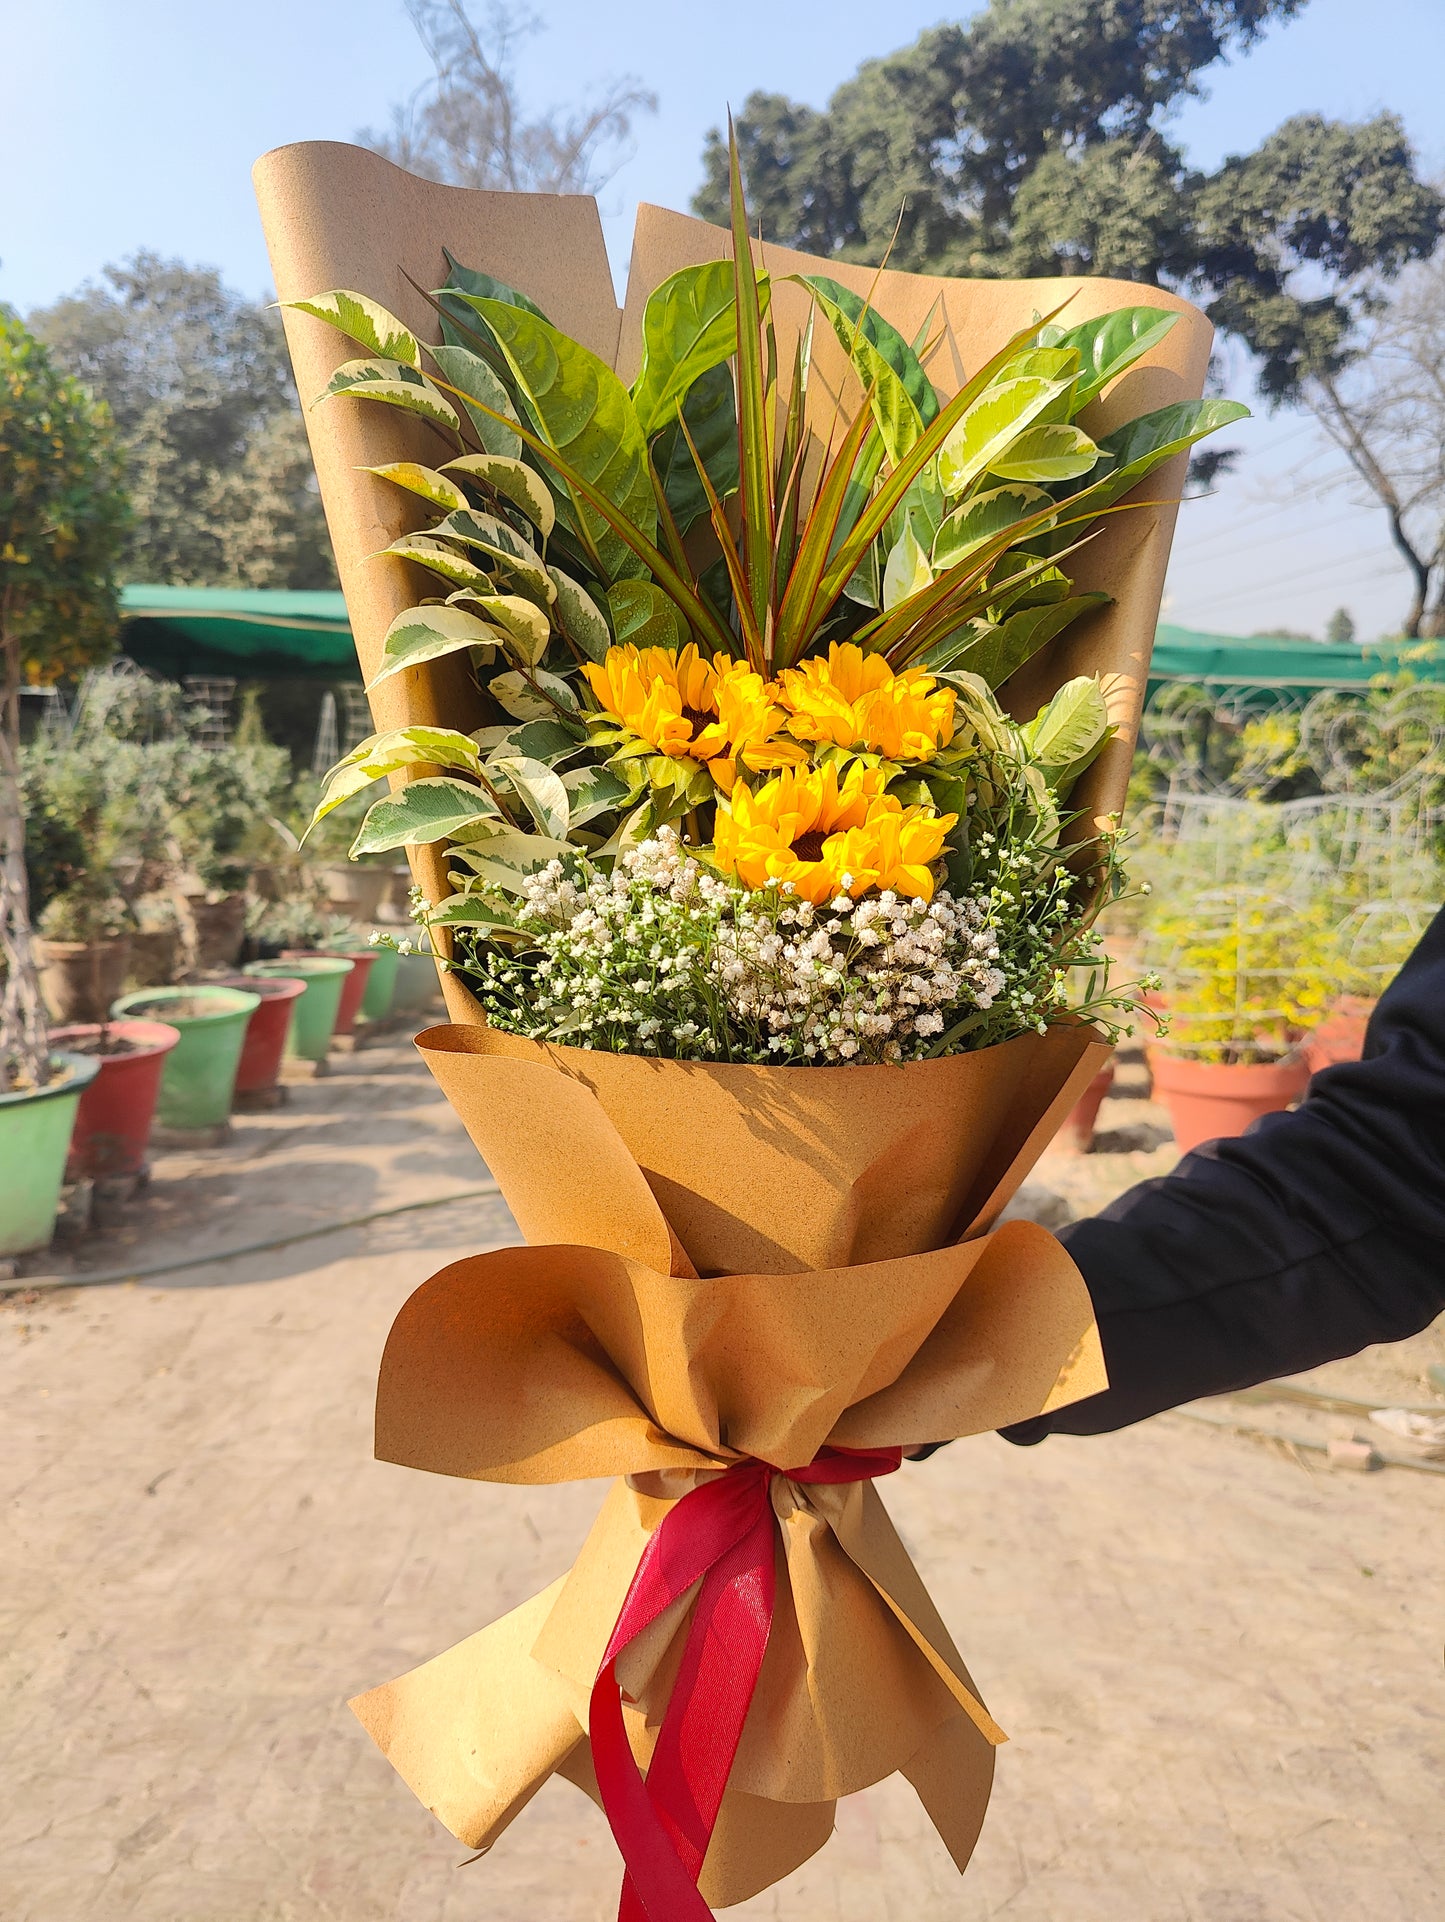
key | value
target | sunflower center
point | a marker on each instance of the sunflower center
(809, 846)
(698, 718)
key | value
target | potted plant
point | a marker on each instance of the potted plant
(113, 1123)
(1246, 972)
(258, 1076)
(62, 523)
(83, 952)
(314, 1012)
(199, 1075)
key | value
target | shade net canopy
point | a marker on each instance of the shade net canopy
(244, 633)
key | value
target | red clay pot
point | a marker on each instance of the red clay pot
(1212, 1100)
(270, 1024)
(1341, 1035)
(1078, 1131)
(113, 1121)
(353, 988)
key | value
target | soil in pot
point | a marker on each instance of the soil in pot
(353, 988)
(113, 1123)
(80, 979)
(1212, 1101)
(199, 1076)
(314, 1012)
(270, 1026)
(35, 1129)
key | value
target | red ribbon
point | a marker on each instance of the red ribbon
(720, 1534)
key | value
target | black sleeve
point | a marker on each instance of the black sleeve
(1308, 1238)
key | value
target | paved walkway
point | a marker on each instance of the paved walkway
(1221, 1670)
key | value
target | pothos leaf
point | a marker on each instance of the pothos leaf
(364, 321)
(397, 385)
(579, 616)
(431, 809)
(387, 753)
(514, 480)
(470, 375)
(426, 634)
(907, 570)
(425, 481)
(688, 327)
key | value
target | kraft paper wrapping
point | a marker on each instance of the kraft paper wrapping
(632, 1340)
(340, 216)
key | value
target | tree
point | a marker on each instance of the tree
(199, 383)
(1341, 628)
(1379, 394)
(1029, 141)
(466, 125)
(62, 525)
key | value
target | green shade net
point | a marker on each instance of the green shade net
(243, 633)
(264, 633)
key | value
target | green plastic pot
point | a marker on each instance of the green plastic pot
(417, 983)
(315, 1011)
(381, 988)
(35, 1130)
(200, 1072)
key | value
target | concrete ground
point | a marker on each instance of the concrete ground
(1220, 1664)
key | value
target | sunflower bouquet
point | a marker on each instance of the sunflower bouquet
(740, 754)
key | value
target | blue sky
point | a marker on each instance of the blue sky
(138, 126)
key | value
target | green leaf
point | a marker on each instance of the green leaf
(470, 280)
(710, 413)
(475, 382)
(504, 545)
(520, 624)
(579, 616)
(387, 753)
(424, 811)
(903, 399)
(994, 420)
(398, 385)
(907, 571)
(1049, 453)
(982, 518)
(1111, 343)
(540, 789)
(426, 481)
(515, 481)
(993, 652)
(644, 616)
(1146, 443)
(1066, 736)
(595, 790)
(548, 741)
(426, 634)
(363, 321)
(688, 326)
(427, 551)
(505, 860)
(472, 911)
(583, 411)
(517, 694)
(759, 520)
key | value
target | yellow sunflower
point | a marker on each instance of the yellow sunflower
(855, 701)
(751, 722)
(668, 700)
(824, 837)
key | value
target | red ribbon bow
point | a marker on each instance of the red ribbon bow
(721, 1534)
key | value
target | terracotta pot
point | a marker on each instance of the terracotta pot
(264, 1048)
(1211, 1100)
(1078, 1130)
(353, 988)
(113, 1122)
(1341, 1035)
(80, 979)
(153, 956)
(218, 928)
(354, 890)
